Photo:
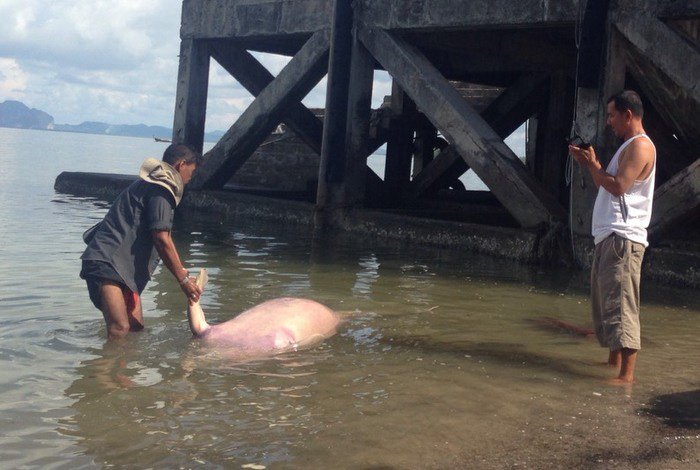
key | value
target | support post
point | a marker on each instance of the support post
(333, 150)
(399, 148)
(551, 150)
(191, 97)
(352, 192)
(424, 145)
(590, 121)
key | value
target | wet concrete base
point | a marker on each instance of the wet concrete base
(666, 265)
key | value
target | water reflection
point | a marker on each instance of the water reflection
(140, 404)
(437, 365)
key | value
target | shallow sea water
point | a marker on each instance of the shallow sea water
(441, 362)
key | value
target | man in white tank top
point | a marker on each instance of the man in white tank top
(621, 216)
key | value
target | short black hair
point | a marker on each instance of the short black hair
(628, 99)
(181, 152)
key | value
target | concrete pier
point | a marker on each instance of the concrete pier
(548, 64)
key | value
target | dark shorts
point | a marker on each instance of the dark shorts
(95, 274)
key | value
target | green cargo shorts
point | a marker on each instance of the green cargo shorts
(615, 274)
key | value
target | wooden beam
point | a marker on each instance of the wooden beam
(399, 148)
(498, 52)
(424, 145)
(555, 124)
(517, 103)
(676, 200)
(344, 174)
(448, 165)
(505, 114)
(667, 68)
(676, 58)
(255, 77)
(294, 82)
(191, 95)
(480, 146)
(358, 176)
(333, 152)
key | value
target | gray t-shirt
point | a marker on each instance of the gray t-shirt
(123, 239)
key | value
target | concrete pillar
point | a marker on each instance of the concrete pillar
(333, 150)
(191, 98)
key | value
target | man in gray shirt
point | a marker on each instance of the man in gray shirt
(125, 247)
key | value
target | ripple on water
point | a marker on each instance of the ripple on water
(439, 364)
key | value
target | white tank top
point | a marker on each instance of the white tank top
(628, 215)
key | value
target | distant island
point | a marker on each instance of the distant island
(17, 115)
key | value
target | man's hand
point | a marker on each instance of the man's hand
(166, 249)
(585, 157)
(191, 290)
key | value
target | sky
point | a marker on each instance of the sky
(114, 61)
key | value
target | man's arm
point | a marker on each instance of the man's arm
(633, 162)
(163, 243)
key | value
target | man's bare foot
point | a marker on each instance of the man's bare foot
(619, 382)
(604, 364)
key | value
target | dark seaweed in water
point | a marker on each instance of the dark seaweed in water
(679, 410)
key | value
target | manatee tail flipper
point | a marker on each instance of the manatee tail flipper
(202, 278)
(195, 314)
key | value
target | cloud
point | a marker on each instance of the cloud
(13, 80)
(97, 35)
(115, 61)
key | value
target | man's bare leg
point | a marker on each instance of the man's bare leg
(114, 311)
(133, 309)
(615, 358)
(629, 360)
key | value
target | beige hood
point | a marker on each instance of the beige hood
(158, 172)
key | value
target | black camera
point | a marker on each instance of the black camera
(578, 141)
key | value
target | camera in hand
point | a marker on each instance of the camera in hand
(578, 141)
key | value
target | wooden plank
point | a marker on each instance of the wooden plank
(505, 114)
(191, 95)
(479, 145)
(676, 200)
(255, 77)
(294, 82)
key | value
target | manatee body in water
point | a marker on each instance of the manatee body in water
(273, 326)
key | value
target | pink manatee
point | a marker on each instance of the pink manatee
(273, 326)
